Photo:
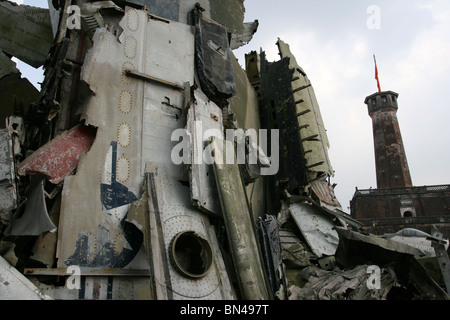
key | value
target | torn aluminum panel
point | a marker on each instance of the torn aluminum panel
(203, 115)
(34, 220)
(15, 286)
(213, 59)
(316, 228)
(59, 157)
(26, 32)
(312, 129)
(186, 263)
(8, 189)
(239, 226)
(238, 40)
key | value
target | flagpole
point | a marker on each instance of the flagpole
(376, 74)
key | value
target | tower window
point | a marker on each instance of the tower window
(383, 99)
(373, 101)
(407, 214)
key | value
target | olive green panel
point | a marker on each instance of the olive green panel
(239, 226)
(229, 13)
(26, 32)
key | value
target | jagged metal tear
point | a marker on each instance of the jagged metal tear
(35, 219)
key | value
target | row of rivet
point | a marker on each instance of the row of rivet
(126, 98)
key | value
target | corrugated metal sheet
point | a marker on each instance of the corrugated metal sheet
(325, 193)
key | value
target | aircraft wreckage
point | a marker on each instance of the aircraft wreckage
(150, 165)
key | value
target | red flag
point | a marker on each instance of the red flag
(376, 74)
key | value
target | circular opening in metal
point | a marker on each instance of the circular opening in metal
(192, 255)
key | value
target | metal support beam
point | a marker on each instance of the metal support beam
(146, 77)
(301, 88)
(311, 138)
(303, 112)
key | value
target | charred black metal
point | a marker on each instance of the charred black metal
(278, 112)
(213, 59)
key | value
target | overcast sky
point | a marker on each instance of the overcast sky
(334, 42)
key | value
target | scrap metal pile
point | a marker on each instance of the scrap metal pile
(150, 165)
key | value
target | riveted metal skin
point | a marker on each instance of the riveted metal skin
(135, 119)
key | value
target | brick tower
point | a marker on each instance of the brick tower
(392, 169)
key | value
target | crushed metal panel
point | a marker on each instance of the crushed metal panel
(59, 157)
(239, 225)
(378, 241)
(15, 286)
(356, 248)
(316, 228)
(26, 32)
(325, 193)
(415, 238)
(343, 285)
(203, 115)
(213, 59)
